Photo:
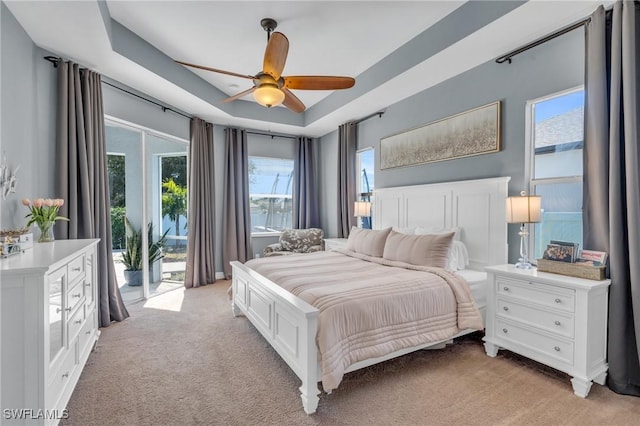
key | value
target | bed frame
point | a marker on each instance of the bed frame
(289, 324)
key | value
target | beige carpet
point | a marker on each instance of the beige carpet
(183, 359)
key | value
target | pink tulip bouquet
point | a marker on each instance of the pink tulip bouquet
(43, 210)
(44, 213)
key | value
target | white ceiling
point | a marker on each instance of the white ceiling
(134, 43)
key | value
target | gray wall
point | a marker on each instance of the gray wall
(549, 68)
(28, 122)
(27, 135)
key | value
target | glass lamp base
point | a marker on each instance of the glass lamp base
(524, 265)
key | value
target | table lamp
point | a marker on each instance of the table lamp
(523, 209)
(362, 209)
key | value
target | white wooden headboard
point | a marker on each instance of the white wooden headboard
(477, 207)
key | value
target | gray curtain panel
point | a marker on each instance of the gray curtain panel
(236, 216)
(82, 178)
(201, 265)
(347, 142)
(305, 192)
(612, 180)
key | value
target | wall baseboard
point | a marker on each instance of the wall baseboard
(219, 275)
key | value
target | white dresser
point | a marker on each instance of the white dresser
(49, 326)
(557, 320)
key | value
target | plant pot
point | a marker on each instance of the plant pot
(133, 278)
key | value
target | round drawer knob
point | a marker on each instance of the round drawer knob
(558, 301)
(504, 330)
(557, 349)
(557, 323)
(505, 288)
(506, 308)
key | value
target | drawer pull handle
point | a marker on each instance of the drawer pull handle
(557, 349)
(65, 375)
(76, 269)
(558, 301)
(78, 321)
(504, 330)
(87, 284)
(76, 295)
(505, 288)
(58, 310)
(506, 308)
(67, 309)
(88, 332)
(557, 322)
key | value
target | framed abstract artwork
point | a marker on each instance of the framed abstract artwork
(472, 132)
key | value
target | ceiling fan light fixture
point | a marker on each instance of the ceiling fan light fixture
(268, 95)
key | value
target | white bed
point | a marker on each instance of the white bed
(289, 324)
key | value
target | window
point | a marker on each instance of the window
(270, 193)
(556, 142)
(364, 181)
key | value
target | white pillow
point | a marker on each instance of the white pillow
(437, 231)
(457, 257)
(411, 230)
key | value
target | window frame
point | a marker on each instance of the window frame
(275, 233)
(359, 190)
(531, 181)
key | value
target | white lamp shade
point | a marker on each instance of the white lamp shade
(268, 95)
(362, 209)
(524, 209)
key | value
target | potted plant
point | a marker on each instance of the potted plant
(132, 256)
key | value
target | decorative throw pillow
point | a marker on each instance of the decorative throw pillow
(367, 241)
(436, 230)
(421, 250)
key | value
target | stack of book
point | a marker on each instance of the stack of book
(565, 258)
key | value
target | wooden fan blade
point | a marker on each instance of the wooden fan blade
(275, 55)
(318, 82)
(292, 102)
(250, 77)
(239, 95)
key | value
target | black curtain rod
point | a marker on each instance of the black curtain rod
(507, 57)
(271, 135)
(379, 114)
(54, 60)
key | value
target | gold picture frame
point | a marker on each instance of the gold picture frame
(473, 132)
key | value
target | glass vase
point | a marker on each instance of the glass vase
(46, 232)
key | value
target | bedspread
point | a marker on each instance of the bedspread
(370, 307)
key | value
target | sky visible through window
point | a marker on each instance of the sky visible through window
(270, 171)
(559, 105)
(366, 162)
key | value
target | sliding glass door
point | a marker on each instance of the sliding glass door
(147, 176)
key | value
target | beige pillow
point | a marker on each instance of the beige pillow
(421, 250)
(367, 241)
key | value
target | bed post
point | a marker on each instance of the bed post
(309, 390)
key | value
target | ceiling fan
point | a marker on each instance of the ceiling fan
(270, 87)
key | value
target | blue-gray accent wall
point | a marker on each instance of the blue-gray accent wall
(554, 66)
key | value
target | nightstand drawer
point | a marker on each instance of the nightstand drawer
(553, 297)
(549, 346)
(554, 322)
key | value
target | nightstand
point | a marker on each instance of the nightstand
(334, 243)
(554, 319)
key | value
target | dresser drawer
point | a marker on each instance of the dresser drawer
(75, 295)
(60, 378)
(87, 333)
(75, 323)
(76, 268)
(537, 342)
(555, 322)
(553, 297)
